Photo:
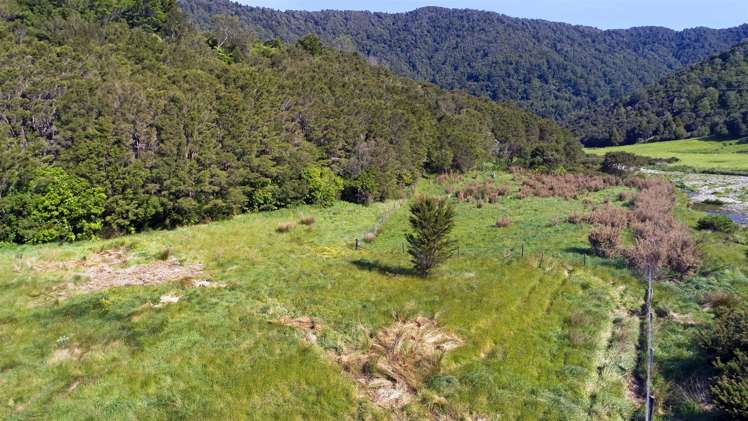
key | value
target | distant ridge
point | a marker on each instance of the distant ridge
(707, 99)
(554, 69)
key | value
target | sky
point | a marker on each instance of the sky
(604, 14)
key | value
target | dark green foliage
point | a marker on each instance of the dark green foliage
(619, 163)
(429, 245)
(311, 44)
(550, 68)
(719, 223)
(727, 342)
(54, 206)
(324, 186)
(708, 99)
(201, 126)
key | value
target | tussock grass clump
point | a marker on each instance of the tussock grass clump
(503, 222)
(307, 220)
(285, 227)
(164, 254)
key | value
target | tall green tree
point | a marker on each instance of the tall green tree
(429, 245)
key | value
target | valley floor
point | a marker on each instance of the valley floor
(695, 154)
(261, 327)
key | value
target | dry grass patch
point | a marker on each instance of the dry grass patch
(398, 360)
(284, 227)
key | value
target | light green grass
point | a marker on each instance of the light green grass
(534, 336)
(699, 154)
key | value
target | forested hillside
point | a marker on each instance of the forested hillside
(120, 117)
(553, 69)
(710, 98)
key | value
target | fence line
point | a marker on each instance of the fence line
(650, 350)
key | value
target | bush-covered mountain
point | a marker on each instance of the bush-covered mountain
(553, 69)
(120, 117)
(710, 98)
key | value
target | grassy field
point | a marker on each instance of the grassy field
(543, 337)
(698, 154)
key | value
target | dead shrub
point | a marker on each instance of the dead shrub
(566, 186)
(576, 218)
(284, 227)
(625, 196)
(503, 222)
(610, 215)
(605, 241)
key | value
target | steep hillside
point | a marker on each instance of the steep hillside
(708, 99)
(553, 69)
(157, 125)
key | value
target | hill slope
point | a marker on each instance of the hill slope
(173, 131)
(710, 98)
(553, 69)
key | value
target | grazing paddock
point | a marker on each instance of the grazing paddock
(534, 313)
(697, 154)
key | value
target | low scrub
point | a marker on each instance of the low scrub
(565, 186)
(717, 223)
(610, 215)
(605, 241)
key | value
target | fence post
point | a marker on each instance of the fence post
(650, 350)
(523, 249)
(356, 243)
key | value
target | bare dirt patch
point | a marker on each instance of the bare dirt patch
(61, 355)
(110, 269)
(104, 276)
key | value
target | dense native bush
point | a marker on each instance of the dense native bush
(620, 163)
(701, 101)
(178, 126)
(432, 220)
(727, 342)
(54, 206)
(551, 68)
(324, 186)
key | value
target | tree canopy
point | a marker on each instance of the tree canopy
(177, 126)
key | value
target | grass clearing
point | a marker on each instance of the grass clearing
(535, 329)
(696, 154)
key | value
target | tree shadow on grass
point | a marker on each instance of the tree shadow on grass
(579, 250)
(383, 268)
